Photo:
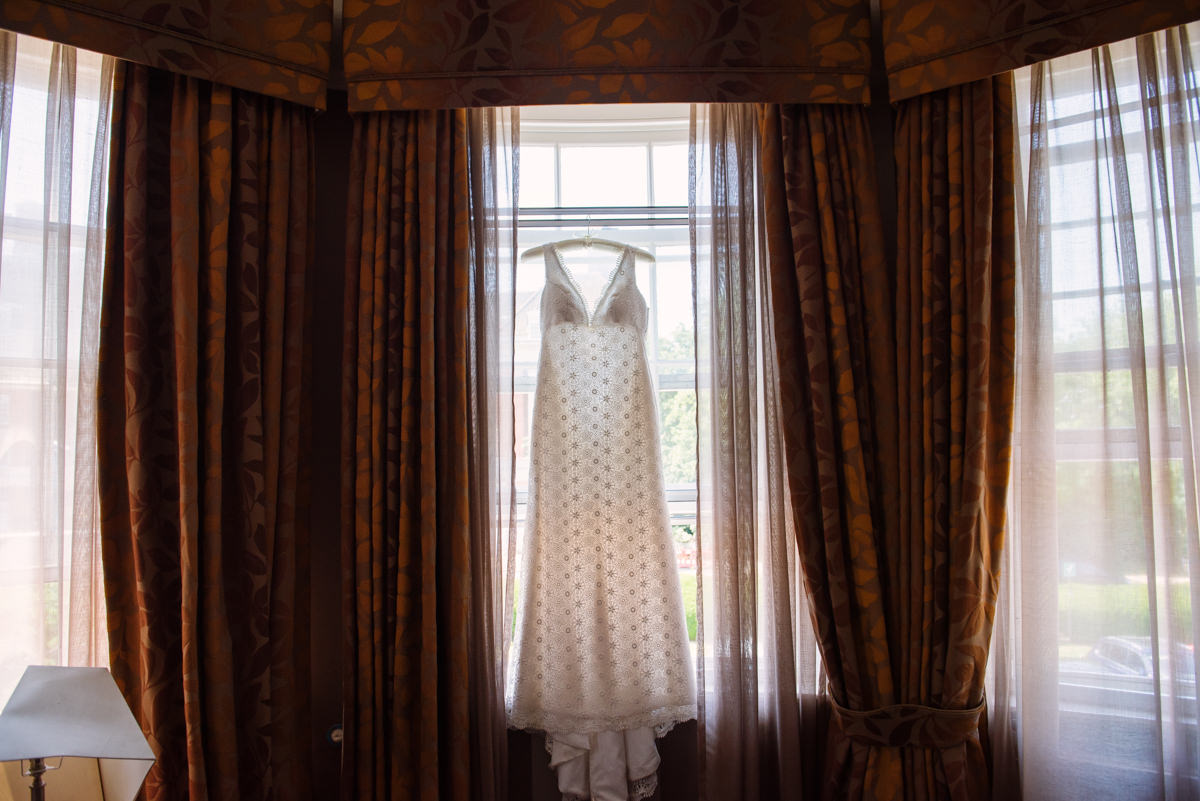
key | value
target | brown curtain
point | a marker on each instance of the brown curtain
(201, 433)
(830, 299)
(423, 703)
(955, 327)
(896, 388)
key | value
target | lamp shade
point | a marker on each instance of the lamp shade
(77, 714)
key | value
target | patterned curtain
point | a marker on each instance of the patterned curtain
(955, 332)
(201, 430)
(424, 714)
(896, 394)
(831, 319)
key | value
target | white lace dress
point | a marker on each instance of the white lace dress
(600, 658)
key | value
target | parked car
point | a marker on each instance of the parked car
(1132, 656)
(1111, 706)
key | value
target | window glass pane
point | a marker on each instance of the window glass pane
(21, 294)
(1102, 502)
(1095, 400)
(1073, 253)
(670, 175)
(1083, 399)
(26, 162)
(522, 404)
(677, 420)
(1076, 328)
(684, 535)
(537, 175)
(603, 175)
(676, 328)
(527, 333)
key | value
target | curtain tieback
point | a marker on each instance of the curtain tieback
(909, 725)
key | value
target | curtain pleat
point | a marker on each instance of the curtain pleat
(727, 392)
(8, 75)
(956, 338)
(423, 698)
(202, 428)
(896, 391)
(492, 136)
(830, 291)
(87, 641)
(756, 649)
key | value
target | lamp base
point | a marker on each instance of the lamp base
(37, 790)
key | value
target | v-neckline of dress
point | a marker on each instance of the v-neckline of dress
(589, 313)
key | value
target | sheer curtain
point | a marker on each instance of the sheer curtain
(1095, 661)
(493, 135)
(757, 650)
(54, 131)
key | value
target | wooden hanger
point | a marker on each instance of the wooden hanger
(587, 241)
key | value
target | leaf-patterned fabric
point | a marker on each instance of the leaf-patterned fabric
(930, 45)
(474, 53)
(896, 391)
(470, 53)
(832, 323)
(202, 420)
(955, 331)
(424, 715)
(280, 49)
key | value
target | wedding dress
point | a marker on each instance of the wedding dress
(600, 658)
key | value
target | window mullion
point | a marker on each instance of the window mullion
(558, 174)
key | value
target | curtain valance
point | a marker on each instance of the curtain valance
(278, 48)
(520, 52)
(399, 54)
(930, 45)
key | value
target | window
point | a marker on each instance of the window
(1102, 579)
(53, 210)
(621, 173)
(658, 170)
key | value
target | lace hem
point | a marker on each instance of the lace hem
(643, 788)
(661, 720)
(659, 732)
(639, 789)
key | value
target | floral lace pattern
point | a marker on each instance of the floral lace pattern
(639, 789)
(600, 641)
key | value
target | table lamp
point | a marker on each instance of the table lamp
(67, 734)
